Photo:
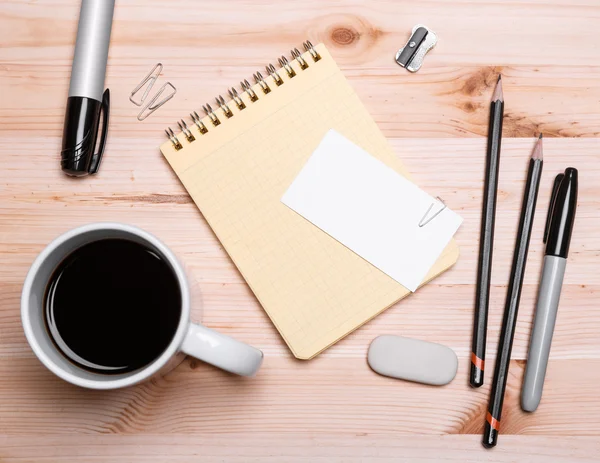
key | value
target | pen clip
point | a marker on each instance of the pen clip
(555, 187)
(97, 157)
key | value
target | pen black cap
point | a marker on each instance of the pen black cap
(557, 181)
(80, 134)
(562, 214)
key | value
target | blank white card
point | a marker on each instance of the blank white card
(372, 210)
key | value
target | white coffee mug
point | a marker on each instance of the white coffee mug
(190, 338)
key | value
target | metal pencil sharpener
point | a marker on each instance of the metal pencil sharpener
(411, 55)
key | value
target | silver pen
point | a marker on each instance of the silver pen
(557, 236)
(87, 99)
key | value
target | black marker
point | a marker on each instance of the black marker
(86, 100)
(557, 236)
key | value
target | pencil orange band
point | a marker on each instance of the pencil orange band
(479, 363)
(494, 423)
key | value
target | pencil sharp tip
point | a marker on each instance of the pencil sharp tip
(537, 150)
(499, 78)
(541, 136)
(498, 93)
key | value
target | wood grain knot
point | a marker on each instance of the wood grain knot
(516, 125)
(349, 32)
(482, 80)
(470, 107)
(344, 36)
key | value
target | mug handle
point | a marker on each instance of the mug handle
(222, 351)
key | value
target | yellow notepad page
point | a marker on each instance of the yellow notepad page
(314, 289)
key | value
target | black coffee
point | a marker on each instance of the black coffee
(112, 306)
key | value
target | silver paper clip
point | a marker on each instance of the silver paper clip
(424, 222)
(152, 105)
(149, 80)
(411, 55)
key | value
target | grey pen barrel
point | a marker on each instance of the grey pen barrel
(91, 49)
(543, 329)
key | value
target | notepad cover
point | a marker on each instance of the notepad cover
(314, 289)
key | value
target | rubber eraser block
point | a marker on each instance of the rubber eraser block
(412, 360)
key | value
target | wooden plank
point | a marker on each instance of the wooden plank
(441, 313)
(325, 395)
(136, 185)
(543, 57)
(291, 448)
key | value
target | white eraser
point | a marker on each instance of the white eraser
(412, 360)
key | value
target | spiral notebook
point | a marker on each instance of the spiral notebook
(238, 161)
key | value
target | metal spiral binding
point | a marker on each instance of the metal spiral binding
(201, 127)
(224, 107)
(309, 48)
(283, 63)
(258, 78)
(186, 132)
(246, 87)
(236, 99)
(298, 57)
(211, 114)
(173, 138)
(274, 74)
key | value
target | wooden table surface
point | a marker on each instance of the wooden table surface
(332, 408)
